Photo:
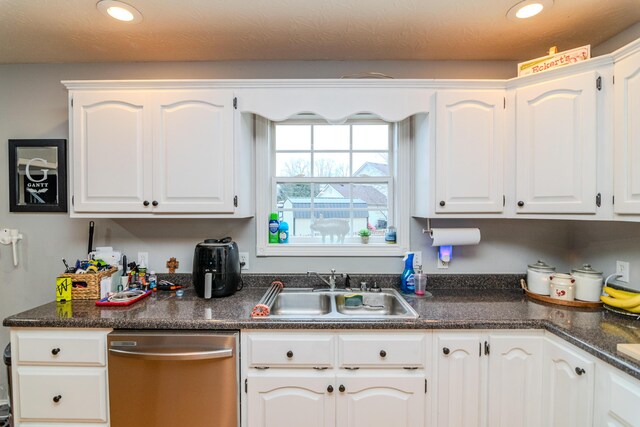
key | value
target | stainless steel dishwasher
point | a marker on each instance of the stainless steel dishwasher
(173, 379)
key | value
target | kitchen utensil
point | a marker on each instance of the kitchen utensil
(538, 277)
(562, 286)
(263, 308)
(91, 229)
(588, 283)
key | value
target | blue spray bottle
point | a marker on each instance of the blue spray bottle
(407, 285)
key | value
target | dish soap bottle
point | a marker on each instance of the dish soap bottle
(407, 284)
(274, 226)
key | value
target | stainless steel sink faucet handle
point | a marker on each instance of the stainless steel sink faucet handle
(314, 273)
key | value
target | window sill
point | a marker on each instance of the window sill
(302, 250)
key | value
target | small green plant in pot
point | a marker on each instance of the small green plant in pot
(364, 235)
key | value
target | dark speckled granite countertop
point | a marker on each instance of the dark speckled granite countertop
(494, 307)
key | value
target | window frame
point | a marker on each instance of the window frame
(399, 161)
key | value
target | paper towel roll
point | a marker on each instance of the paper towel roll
(455, 236)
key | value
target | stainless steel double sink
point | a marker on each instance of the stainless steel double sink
(307, 303)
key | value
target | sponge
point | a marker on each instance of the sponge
(353, 300)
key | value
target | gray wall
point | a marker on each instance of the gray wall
(33, 104)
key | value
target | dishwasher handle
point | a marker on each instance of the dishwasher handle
(187, 355)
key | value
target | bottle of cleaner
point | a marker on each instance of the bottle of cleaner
(407, 285)
(283, 233)
(274, 226)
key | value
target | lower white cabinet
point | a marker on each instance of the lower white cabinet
(568, 386)
(488, 379)
(59, 377)
(377, 380)
(617, 398)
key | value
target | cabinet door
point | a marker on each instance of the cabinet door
(556, 129)
(193, 151)
(111, 138)
(291, 400)
(568, 387)
(515, 383)
(380, 400)
(469, 152)
(627, 135)
(458, 380)
(617, 398)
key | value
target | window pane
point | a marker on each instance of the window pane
(331, 137)
(371, 164)
(289, 194)
(370, 137)
(293, 164)
(293, 137)
(331, 164)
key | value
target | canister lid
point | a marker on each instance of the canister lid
(541, 266)
(586, 269)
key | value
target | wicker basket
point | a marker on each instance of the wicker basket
(92, 291)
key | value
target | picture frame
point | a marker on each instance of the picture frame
(38, 175)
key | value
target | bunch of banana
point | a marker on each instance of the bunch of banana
(629, 301)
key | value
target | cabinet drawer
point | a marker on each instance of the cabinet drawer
(291, 350)
(81, 394)
(61, 348)
(390, 350)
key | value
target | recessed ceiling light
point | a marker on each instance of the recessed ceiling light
(528, 8)
(120, 11)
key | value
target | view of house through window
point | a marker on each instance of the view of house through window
(332, 183)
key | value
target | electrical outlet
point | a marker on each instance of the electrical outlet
(622, 268)
(143, 259)
(244, 260)
(417, 259)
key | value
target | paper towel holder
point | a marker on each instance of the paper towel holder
(428, 230)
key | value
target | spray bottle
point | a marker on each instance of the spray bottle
(407, 285)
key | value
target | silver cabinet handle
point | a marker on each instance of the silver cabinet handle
(189, 355)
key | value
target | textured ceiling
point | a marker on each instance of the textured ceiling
(208, 30)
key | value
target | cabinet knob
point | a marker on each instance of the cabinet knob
(330, 389)
(57, 398)
(580, 371)
(154, 203)
(289, 354)
(341, 388)
(55, 351)
(383, 353)
(521, 203)
(442, 203)
(146, 203)
(445, 350)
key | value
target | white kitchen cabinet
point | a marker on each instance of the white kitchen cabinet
(488, 379)
(617, 398)
(568, 386)
(556, 146)
(458, 379)
(156, 151)
(335, 379)
(59, 377)
(469, 142)
(627, 135)
(373, 399)
(515, 383)
(291, 400)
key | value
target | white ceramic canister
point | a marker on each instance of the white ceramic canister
(588, 283)
(538, 277)
(562, 286)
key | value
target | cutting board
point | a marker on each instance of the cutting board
(631, 350)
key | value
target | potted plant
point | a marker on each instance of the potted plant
(364, 235)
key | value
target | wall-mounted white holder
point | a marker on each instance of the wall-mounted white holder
(11, 237)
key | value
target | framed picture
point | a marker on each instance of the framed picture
(38, 175)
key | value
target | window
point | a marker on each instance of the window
(328, 182)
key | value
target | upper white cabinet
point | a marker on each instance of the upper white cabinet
(556, 146)
(149, 151)
(627, 135)
(469, 152)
